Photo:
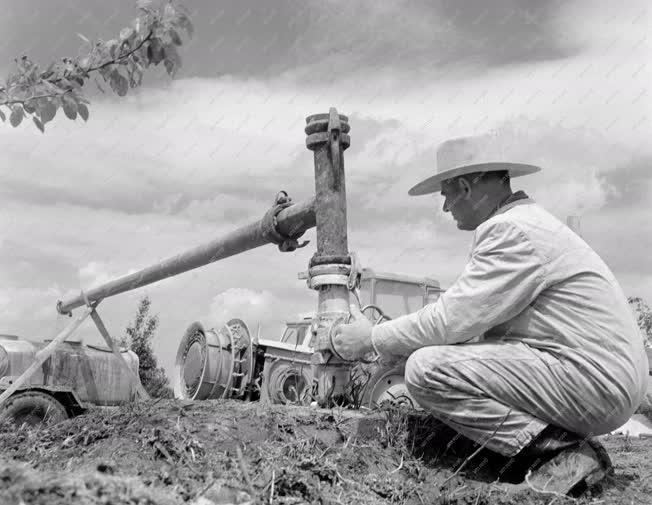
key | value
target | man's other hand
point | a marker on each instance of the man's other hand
(352, 341)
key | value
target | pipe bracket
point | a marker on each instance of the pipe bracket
(269, 226)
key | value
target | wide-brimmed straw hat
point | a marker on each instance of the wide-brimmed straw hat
(467, 155)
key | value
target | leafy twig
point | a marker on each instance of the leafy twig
(152, 39)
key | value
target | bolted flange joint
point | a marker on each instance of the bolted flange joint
(341, 272)
(324, 128)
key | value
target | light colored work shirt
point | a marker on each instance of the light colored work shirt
(530, 278)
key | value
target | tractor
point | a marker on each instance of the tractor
(228, 363)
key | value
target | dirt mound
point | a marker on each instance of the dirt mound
(215, 452)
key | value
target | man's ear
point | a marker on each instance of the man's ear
(464, 187)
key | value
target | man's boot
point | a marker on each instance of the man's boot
(563, 460)
(584, 464)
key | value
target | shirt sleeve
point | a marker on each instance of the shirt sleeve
(503, 276)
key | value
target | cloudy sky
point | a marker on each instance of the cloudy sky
(182, 161)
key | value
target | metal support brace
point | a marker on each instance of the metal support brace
(114, 348)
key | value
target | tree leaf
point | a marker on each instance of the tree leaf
(29, 106)
(67, 84)
(175, 37)
(46, 109)
(2, 116)
(185, 22)
(169, 67)
(16, 116)
(106, 72)
(38, 124)
(70, 109)
(168, 11)
(126, 33)
(97, 83)
(83, 111)
(172, 60)
(155, 51)
(119, 83)
(138, 25)
(123, 85)
(112, 47)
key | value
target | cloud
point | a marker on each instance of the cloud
(422, 35)
(629, 182)
(253, 307)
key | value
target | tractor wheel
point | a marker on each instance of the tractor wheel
(33, 408)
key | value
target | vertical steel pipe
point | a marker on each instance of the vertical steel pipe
(328, 138)
(330, 189)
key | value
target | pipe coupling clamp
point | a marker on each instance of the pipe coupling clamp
(269, 226)
(332, 273)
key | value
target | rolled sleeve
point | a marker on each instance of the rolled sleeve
(504, 275)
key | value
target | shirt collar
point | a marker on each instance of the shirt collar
(509, 202)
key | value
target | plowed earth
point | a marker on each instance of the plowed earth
(212, 452)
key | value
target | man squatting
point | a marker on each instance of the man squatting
(533, 349)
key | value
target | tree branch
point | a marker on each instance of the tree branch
(122, 56)
(22, 102)
(48, 88)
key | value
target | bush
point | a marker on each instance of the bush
(643, 317)
(138, 338)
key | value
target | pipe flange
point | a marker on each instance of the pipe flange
(312, 141)
(332, 273)
(333, 279)
(319, 123)
(327, 128)
(327, 259)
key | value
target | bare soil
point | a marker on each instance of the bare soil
(214, 452)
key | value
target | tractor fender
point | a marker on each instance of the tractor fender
(33, 407)
(66, 396)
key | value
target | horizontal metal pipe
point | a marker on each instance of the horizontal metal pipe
(290, 221)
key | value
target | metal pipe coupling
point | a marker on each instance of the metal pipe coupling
(330, 273)
(269, 226)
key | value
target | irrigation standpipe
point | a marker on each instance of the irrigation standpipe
(330, 268)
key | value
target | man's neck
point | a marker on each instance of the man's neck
(493, 202)
(508, 199)
(497, 201)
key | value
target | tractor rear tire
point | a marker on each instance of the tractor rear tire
(33, 408)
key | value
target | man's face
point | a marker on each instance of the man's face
(457, 201)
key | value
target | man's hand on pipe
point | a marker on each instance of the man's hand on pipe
(353, 341)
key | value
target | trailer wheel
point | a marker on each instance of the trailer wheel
(33, 408)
